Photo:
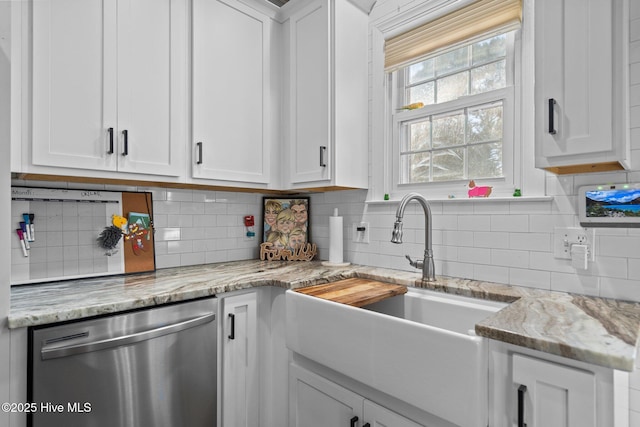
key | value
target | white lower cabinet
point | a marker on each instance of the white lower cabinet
(553, 395)
(239, 400)
(534, 389)
(315, 401)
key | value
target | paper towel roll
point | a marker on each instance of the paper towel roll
(335, 240)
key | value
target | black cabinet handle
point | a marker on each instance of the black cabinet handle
(353, 422)
(552, 128)
(110, 130)
(521, 391)
(199, 161)
(323, 150)
(232, 335)
(125, 134)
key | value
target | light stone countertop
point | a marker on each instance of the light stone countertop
(595, 330)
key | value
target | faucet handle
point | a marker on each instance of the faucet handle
(417, 263)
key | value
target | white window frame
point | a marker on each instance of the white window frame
(519, 173)
(506, 95)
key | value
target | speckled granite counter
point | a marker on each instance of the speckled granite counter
(594, 330)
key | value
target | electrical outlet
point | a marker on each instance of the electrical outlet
(564, 237)
(360, 232)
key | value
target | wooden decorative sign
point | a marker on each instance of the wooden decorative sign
(305, 252)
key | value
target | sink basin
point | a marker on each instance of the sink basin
(419, 347)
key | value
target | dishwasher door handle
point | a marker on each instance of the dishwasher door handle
(125, 339)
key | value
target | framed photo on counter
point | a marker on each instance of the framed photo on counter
(285, 222)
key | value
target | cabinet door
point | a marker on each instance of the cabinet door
(74, 83)
(555, 395)
(152, 88)
(573, 67)
(377, 416)
(239, 361)
(318, 402)
(231, 80)
(310, 133)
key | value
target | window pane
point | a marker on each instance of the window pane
(448, 130)
(490, 49)
(448, 164)
(452, 61)
(453, 87)
(420, 136)
(417, 165)
(485, 124)
(485, 160)
(422, 93)
(421, 71)
(488, 77)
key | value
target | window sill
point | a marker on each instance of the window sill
(471, 200)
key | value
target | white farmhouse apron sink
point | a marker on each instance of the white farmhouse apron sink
(418, 347)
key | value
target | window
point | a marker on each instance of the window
(470, 63)
(454, 113)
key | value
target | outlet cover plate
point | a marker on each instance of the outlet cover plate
(564, 237)
(360, 236)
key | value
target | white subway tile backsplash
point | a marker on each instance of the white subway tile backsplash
(614, 267)
(457, 238)
(491, 273)
(620, 289)
(179, 246)
(167, 261)
(474, 255)
(511, 223)
(490, 207)
(474, 223)
(530, 207)
(530, 241)
(546, 261)
(530, 278)
(575, 283)
(166, 234)
(455, 269)
(176, 195)
(619, 246)
(166, 207)
(192, 258)
(491, 239)
(191, 208)
(634, 400)
(446, 253)
(510, 258)
(174, 220)
(634, 271)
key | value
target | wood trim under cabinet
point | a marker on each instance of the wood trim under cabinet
(160, 184)
(588, 168)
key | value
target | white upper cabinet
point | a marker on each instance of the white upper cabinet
(109, 85)
(233, 118)
(326, 96)
(581, 81)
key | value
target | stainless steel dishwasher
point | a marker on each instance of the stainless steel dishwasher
(149, 368)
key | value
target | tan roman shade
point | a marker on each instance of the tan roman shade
(476, 19)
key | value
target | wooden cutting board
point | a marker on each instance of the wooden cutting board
(355, 292)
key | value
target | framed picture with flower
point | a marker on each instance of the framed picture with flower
(286, 222)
